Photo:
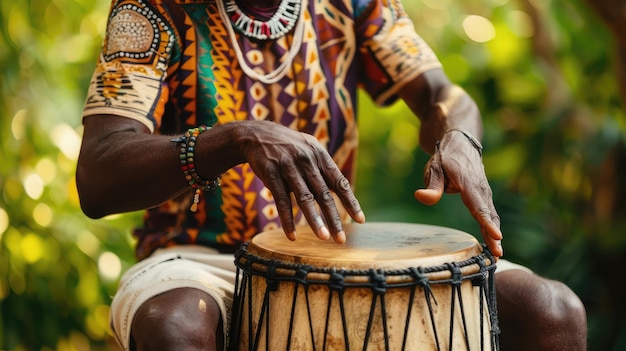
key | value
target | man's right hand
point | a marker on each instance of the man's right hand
(290, 161)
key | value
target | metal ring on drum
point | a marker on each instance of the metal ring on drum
(391, 286)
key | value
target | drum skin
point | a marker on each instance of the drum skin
(275, 311)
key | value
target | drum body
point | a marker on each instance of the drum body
(391, 286)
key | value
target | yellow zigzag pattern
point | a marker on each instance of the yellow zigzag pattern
(189, 64)
(230, 99)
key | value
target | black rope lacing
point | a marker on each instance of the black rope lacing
(377, 280)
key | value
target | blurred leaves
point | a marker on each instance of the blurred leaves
(52, 293)
(542, 73)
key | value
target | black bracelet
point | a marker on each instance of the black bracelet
(477, 145)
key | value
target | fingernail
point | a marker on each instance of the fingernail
(291, 236)
(341, 237)
(324, 233)
(360, 217)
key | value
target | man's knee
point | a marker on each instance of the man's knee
(180, 319)
(566, 307)
(544, 312)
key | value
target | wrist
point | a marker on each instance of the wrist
(187, 155)
(472, 140)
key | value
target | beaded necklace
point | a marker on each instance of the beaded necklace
(224, 6)
(281, 23)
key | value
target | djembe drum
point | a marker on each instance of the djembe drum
(391, 286)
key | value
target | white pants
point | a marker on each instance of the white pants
(167, 269)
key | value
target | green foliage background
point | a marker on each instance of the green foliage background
(554, 153)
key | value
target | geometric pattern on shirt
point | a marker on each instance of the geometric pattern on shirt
(134, 34)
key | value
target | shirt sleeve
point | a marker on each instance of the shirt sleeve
(129, 78)
(391, 53)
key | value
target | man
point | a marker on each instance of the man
(275, 83)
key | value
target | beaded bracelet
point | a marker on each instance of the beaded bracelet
(187, 143)
(469, 137)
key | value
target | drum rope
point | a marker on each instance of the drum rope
(261, 318)
(377, 280)
(379, 288)
(363, 273)
(493, 310)
(344, 321)
(481, 301)
(421, 279)
(384, 317)
(293, 307)
(308, 311)
(457, 280)
(326, 325)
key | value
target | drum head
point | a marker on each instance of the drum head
(383, 245)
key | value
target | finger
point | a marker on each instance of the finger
(434, 180)
(478, 200)
(275, 183)
(341, 186)
(493, 232)
(327, 204)
(305, 198)
(494, 245)
(486, 216)
(316, 175)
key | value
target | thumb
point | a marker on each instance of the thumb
(435, 184)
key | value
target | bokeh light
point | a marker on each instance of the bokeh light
(479, 29)
(32, 248)
(46, 169)
(4, 221)
(33, 185)
(42, 214)
(109, 265)
(67, 140)
(18, 124)
(88, 243)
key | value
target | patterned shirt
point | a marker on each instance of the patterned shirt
(171, 65)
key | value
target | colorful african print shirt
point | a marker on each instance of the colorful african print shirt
(171, 65)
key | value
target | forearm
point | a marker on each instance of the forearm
(129, 172)
(123, 168)
(441, 106)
